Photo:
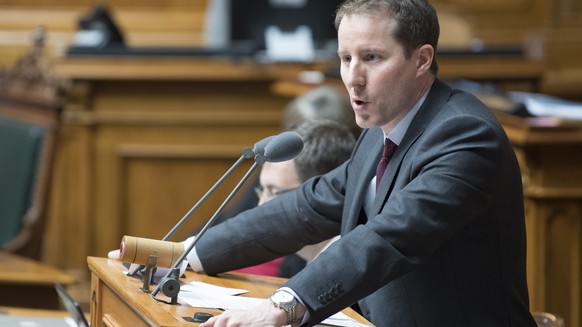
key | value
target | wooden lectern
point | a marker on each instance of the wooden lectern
(117, 300)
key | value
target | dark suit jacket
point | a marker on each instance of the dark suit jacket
(444, 245)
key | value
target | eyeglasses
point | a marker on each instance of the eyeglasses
(270, 193)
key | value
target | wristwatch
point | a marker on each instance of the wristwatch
(286, 301)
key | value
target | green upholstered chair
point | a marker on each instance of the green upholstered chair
(20, 164)
(30, 104)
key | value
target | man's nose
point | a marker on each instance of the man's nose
(354, 75)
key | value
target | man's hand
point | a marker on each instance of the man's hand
(266, 314)
(114, 254)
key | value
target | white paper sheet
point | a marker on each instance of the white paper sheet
(546, 105)
(203, 295)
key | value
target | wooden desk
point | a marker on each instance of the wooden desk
(28, 283)
(118, 301)
(550, 156)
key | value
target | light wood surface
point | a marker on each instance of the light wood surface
(174, 68)
(28, 283)
(41, 313)
(118, 301)
(19, 270)
(484, 68)
(14, 311)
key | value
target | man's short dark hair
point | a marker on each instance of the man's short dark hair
(416, 21)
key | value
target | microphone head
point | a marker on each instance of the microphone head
(283, 147)
(260, 146)
(258, 149)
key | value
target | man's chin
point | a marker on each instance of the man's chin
(363, 122)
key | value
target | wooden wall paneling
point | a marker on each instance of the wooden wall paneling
(497, 11)
(494, 6)
(536, 263)
(151, 23)
(562, 220)
(553, 202)
(161, 4)
(551, 30)
(134, 160)
(70, 208)
(554, 231)
(134, 129)
(161, 184)
(563, 78)
(113, 189)
(568, 13)
(503, 22)
(562, 43)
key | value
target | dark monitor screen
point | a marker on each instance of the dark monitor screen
(72, 306)
(249, 20)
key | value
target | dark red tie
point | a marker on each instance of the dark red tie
(389, 148)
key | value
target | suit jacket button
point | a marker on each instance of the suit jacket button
(322, 299)
(339, 288)
(334, 291)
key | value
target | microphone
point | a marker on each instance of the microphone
(247, 153)
(258, 148)
(284, 146)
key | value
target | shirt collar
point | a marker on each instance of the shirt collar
(397, 133)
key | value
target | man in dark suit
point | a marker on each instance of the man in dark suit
(441, 242)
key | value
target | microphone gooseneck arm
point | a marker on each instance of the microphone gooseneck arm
(205, 228)
(199, 203)
(203, 198)
(277, 148)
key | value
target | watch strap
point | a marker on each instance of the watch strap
(290, 309)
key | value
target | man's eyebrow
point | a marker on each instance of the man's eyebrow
(363, 50)
(374, 49)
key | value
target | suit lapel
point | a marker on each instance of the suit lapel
(372, 148)
(438, 95)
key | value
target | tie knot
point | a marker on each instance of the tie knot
(389, 148)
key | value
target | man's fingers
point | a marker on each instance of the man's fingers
(114, 254)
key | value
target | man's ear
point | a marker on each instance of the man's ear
(425, 58)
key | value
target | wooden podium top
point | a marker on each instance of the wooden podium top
(117, 299)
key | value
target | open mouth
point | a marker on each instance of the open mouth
(358, 103)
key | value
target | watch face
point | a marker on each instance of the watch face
(282, 297)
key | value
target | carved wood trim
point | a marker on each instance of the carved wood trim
(30, 79)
